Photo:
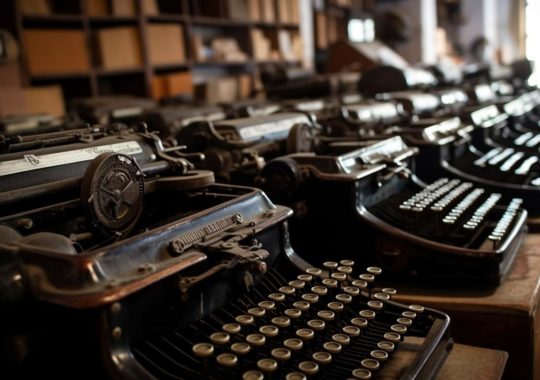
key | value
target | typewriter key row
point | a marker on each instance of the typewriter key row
(313, 327)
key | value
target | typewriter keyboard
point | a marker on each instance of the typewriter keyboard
(503, 164)
(452, 212)
(336, 327)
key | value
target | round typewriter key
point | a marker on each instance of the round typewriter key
(380, 355)
(360, 284)
(240, 348)
(245, 320)
(344, 298)
(305, 334)
(281, 354)
(335, 306)
(316, 324)
(330, 265)
(382, 296)
(314, 271)
(257, 312)
(339, 276)
(386, 346)
(351, 290)
(305, 277)
(367, 277)
(309, 368)
(332, 347)
(301, 305)
(287, 290)
(267, 305)
(392, 337)
(256, 340)
(416, 308)
(267, 365)
(359, 322)
(310, 297)
(281, 322)
(277, 297)
(374, 270)
(404, 321)
(367, 314)
(370, 364)
(326, 315)
(295, 376)
(404, 207)
(345, 269)
(351, 330)
(341, 339)
(375, 305)
(400, 329)
(348, 263)
(297, 284)
(252, 375)
(319, 290)
(330, 283)
(220, 338)
(293, 313)
(389, 291)
(293, 344)
(361, 373)
(231, 328)
(409, 314)
(202, 350)
(269, 331)
(227, 359)
(322, 357)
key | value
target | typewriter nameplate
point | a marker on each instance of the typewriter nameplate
(34, 162)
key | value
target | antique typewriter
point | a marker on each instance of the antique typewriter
(250, 108)
(449, 232)
(122, 261)
(111, 109)
(237, 149)
(169, 119)
(31, 124)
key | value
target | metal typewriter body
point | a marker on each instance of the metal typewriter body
(155, 278)
(111, 109)
(237, 149)
(442, 232)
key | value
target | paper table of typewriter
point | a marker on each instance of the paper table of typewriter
(369, 204)
(130, 264)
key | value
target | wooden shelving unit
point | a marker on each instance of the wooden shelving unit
(195, 16)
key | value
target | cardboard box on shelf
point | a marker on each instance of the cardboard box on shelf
(166, 44)
(123, 7)
(12, 101)
(119, 48)
(35, 7)
(254, 10)
(54, 51)
(149, 7)
(10, 74)
(168, 85)
(97, 8)
(44, 99)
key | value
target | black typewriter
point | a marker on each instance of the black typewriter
(250, 108)
(237, 149)
(369, 204)
(122, 261)
(111, 109)
(169, 119)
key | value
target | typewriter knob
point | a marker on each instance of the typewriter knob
(267, 365)
(267, 305)
(379, 355)
(348, 263)
(370, 364)
(342, 339)
(392, 337)
(293, 344)
(269, 331)
(231, 328)
(417, 308)
(326, 315)
(330, 265)
(386, 346)
(256, 340)
(330, 283)
(332, 347)
(351, 331)
(305, 334)
(220, 338)
(322, 357)
(245, 320)
(376, 271)
(316, 324)
(227, 359)
(360, 322)
(202, 350)
(281, 354)
(281, 322)
(300, 139)
(112, 191)
(240, 348)
(310, 297)
(301, 305)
